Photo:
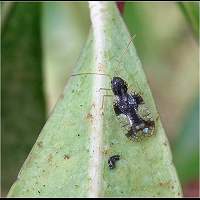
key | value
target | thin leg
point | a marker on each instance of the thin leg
(103, 99)
(138, 98)
(104, 89)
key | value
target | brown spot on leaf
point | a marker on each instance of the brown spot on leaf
(50, 158)
(89, 117)
(66, 157)
(40, 144)
(165, 184)
(101, 68)
(105, 152)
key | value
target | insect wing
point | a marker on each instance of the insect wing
(146, 115)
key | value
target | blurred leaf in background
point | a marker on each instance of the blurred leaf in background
(23, 106)
(65, 27)
(191, 12)
(186, 146)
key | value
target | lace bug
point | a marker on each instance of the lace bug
(129, 105)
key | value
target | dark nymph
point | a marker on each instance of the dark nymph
(127, 104)
(112, 160)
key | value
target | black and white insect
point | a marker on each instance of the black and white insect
(129, 105)
(112, 160)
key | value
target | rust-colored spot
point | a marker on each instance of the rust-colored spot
(105, 151)
(89, 117)
(40, 144)
(50, 158)
(160, 184)
(165, 184)
(101, 68)
(66, 157)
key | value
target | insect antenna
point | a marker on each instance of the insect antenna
(85, 73)
(119, 60)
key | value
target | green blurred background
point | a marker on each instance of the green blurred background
(41, 43)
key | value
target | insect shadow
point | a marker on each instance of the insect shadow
(129, 105)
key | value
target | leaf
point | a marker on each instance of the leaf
(187, 163)
(191, 12)
(6, 10)
(70, 156)
(23, 106)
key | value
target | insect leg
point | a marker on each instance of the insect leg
(105, 89)
(105, 95)
(138, 98)
(132, 132)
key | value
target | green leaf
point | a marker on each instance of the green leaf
(23, 106)
(6, 10)
(191, 12)
(187, 163)
(70, 156)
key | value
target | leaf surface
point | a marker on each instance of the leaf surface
(71, 154)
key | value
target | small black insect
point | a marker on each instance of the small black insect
(112, 160)
(128, 104)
